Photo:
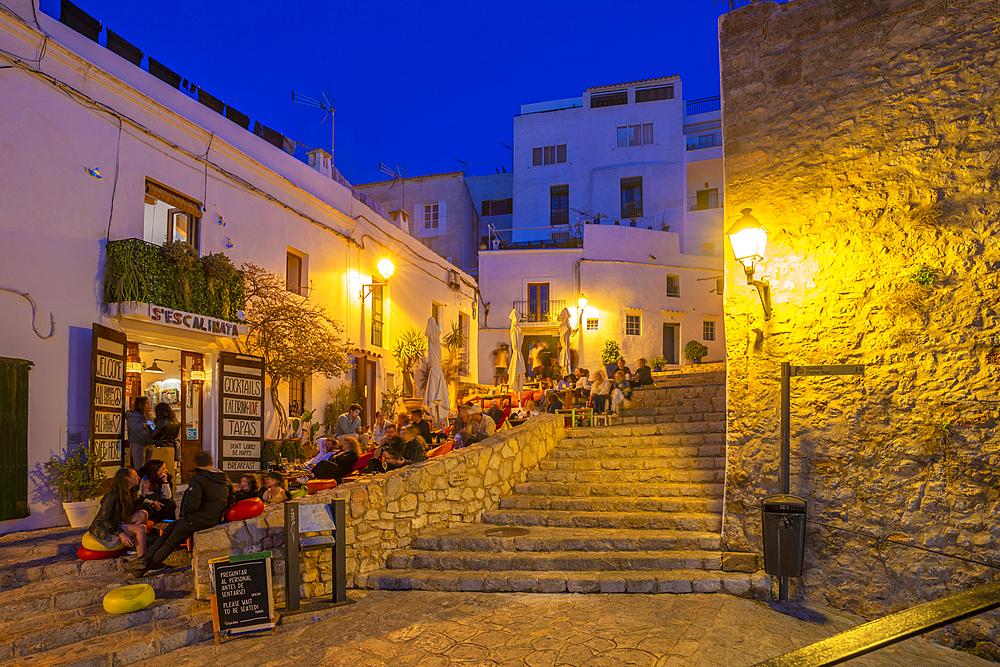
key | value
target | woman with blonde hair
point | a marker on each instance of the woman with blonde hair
(600, 389)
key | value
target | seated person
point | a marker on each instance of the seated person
(156, 490)
(496, 412)
(275, 491)
(623, 368)
(414, 447)
(327, 449)
(349, 423)
(389, 459)
(583, 384)
(479, 427)
(643, 375)
(566, 382)
(378, 428)
(402, 421)
(422, 424)
(389, 435)
(249, 487)
(600, 390)
(121, 521)
(554, 403)
(341, 465)
(209, 494)
(531, 408)
(621, 391)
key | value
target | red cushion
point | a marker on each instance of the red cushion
(440, 449)
(245, 509)
(316, 485)
(83, 553)
(363, 461)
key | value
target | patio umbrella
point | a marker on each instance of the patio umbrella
(436, 395)
(516, 372)
(565, 329)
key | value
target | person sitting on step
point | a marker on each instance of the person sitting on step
(414, 447)
(275, 489)
(121, 521)
(249, 487)
(342, 464)
(600, 390)
(204, 504)
(621, 391)
(327, 450)
(156, 490)
(643, 375)
(389, 458)
(583, 383)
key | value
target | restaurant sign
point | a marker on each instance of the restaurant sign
(178, 319)
(107, 395)
(241, 411)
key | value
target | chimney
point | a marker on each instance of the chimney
(321, 161)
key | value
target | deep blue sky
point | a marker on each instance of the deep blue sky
(415, 83)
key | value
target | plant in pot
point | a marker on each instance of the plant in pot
(410, 348)
(695, 351)
(610, 354)
(658, 363)
(77, 479)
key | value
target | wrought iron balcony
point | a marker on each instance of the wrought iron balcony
(539, 312)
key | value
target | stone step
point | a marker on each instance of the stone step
(756, 585)
(564, 561)
(583, 461)
(125, 647)
(53, 631)
(601, 476)
(611, 490)
(49, 596)
(14, 574)
(714, 375)
(677, 403)
(581, 451)
(695, 521)
(591, 432)
(625, 419)
(709, 415)
(654, 440)
(617, 504)
(544, 538)
(38, 544)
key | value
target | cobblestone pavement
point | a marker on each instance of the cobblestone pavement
(427, 629)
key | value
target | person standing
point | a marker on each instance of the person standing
(545, 359)
(500, 372)
(140, 437)
(166, 429)
(209, 494)
(533, 364)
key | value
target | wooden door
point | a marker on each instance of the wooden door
(192, 415)
(670, 342)
(14, 438)
(107, 398)
(364, 384)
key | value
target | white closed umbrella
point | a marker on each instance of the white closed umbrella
(565, 329)
(516, 371)
(436, 395)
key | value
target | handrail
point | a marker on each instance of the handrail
(891, 629)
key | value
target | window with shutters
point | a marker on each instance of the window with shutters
(544, 155)
(170, 216)
(296, 397)
(654, 94)
(497, 207)
(430, 219)
(559, 205)
(430, 216)
(635, 135)
(631, 197)
(610, 99)
(377, 310)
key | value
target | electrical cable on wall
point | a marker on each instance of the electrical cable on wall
(52, 319)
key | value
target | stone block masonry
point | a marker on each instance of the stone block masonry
(385, 512)
(864, 136)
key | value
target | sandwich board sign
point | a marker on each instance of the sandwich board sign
(242, 596)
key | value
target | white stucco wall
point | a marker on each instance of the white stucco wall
(57, 217)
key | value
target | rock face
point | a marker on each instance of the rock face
(385, 512)
(864, 137)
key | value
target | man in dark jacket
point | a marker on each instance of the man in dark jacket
(422, 424)
(209, 494)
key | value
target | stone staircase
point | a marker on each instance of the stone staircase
(633, 507)
(51, 609)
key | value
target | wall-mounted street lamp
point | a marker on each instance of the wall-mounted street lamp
(581, 303)
(748, 239)
(385, 268)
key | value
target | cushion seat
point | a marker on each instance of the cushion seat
(127, 599)
(83, 553)
(245, 509)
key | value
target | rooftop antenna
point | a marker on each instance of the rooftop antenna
(466, 165)
(511, 149)
(398, 178)
(326, 105)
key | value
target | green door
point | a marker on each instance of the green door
(13, 438)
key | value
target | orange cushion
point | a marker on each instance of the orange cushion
(83, 553)
(316, 485)
(245, 509)
(537, 396)
(363, 461)
(440, 449)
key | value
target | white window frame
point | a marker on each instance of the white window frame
(708, 329)
(678, 286)
(634, 135)
(438, 226)
(630, 319)
(593, 323)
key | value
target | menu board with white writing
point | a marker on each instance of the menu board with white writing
(241, 412)
(242, 600)
(107, 396)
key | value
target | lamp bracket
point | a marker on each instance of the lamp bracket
(366, 290)
(764, 291)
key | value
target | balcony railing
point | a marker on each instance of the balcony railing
(136, 271)
(704, 202)
(709, 140)
(647, 222)
(539, 312)
(704, 105)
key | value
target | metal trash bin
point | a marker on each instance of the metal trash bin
(783, 518)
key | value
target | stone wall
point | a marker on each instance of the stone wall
(385, 512)
(864, 136)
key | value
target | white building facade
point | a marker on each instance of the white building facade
(103, 162)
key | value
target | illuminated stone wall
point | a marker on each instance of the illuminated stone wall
(864, 136)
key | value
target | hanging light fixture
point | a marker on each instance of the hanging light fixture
(197, 372)
(154, 368)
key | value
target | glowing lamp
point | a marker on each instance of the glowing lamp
(581, 302)
(749, 239)
(385, 268)
(197, 372)
(133, 363)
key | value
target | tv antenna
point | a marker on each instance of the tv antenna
(398, 177)
(511, 149)
(466, 165)
(327, 105)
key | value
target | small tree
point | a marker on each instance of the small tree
(454, 342)
(296, 338)
(411, 346)
(694, 350)
(611, 352)
(76, 477)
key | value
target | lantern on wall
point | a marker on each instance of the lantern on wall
(749, 239)
(197, 372)
(133, 362)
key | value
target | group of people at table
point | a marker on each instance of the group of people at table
(595, 391)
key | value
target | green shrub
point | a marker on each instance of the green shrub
(338, 401)
(77, 477)
(660, 361)
(611, 352)
(694, 350)
(923, 276)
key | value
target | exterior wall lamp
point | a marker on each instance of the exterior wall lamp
(748, 239)
(133, 363)
(197, 372)
(385, 268)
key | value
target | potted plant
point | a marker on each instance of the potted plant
(610, 355)
(658, 363)
(695, 351)
(77, 480)
(411, 346)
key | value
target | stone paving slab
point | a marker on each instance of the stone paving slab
(545, 538)
(563, 560)
(633, 520)
(436, 629)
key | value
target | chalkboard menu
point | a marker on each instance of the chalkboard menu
(241, 412)
(242, 597)
(107, 396)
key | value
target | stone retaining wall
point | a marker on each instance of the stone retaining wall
(863, 134)
(385, 512)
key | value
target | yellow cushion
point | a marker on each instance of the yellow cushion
(129, 598)
(90, 542)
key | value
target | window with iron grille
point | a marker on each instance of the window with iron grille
(296, 397)
(708, 330)
(673, 285)
(559, 205)
(635, 135)
(543, 155)
(654, 94)
(631, 197)
(592, 323)
(377, 311)
(612, 99)
(633, 325)
(497, 207)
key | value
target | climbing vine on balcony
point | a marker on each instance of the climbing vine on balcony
(172, 276)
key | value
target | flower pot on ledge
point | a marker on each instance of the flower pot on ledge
(81, 514)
